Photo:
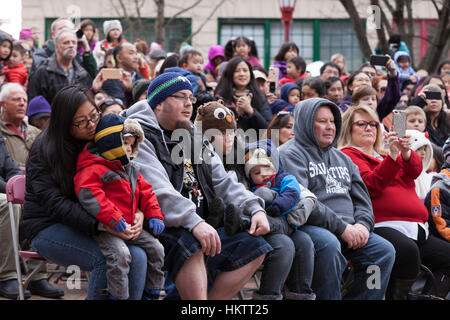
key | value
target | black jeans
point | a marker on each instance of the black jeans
(432, 252)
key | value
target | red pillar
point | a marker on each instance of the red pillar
(287, 26)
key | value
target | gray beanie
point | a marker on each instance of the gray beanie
(111, 25)
(139, 87)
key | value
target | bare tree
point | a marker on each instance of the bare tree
(161, 22)
(405, 28)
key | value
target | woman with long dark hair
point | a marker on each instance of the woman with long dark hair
(55, 223)
(238, 89)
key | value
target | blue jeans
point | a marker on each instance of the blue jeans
(65, 246)
(373, 264)
(276, 265)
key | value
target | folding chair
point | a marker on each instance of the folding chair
(15, 194)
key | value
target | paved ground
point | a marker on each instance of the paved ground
(71, 293)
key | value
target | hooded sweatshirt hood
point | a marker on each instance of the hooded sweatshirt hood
(327, 172)
(5, 37)
(214, 51)
(304, 116)
(399, 54)
(419, 140)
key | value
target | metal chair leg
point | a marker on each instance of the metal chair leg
(16, 249)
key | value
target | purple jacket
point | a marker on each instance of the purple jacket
(282, 66)
(386, 104)
(214, 51)
(80, 49)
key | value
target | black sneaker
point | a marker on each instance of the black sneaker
(10, 289)
(234, 221)
(44, 289)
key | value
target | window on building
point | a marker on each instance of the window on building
(302, 33)
(317, 39)
(340, 37)
(253, 31)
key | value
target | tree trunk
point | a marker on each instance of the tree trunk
(440, 40)
(160, 32)
(382, 41)
(358, 27)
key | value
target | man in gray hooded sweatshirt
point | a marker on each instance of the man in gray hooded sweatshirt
(186, 184)
(342, 222)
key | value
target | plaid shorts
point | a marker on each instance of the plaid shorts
(236, 251)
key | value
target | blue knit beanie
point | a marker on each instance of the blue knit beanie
(165, 85)
(38, 107)
(108, 138)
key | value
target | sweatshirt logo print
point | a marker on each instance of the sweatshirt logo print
(332, 176)
(334, 186)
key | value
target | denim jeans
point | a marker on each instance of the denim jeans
(373, 264)
(65, 246)
(276, 265)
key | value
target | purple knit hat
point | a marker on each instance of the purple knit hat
(38, 107)
(25, 34)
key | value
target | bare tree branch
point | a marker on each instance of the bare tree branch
(181, 12)
(364, 46)
(389, 6)
(204, 22)
(383, 44)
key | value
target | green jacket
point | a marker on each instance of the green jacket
(17, 147)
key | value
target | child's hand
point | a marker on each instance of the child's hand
(157, 225)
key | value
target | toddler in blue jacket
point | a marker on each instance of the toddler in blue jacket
(284, 197)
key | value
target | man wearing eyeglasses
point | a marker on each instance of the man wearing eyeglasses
(18, 136)
(186, 186)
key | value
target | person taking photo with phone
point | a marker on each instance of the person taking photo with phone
(237, 87)
(400, 216)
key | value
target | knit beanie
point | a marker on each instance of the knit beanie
(214, 115)
(165, 85)
(139, 87)
(38, 108)
(261, 152)
(286, 88)
(25, 34)
(111, 25)
(108, 138)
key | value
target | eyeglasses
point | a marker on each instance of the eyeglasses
(191, 99)
(109, 102)
(83, 124)
(363, 124)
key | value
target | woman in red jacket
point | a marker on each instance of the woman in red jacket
(400, 216)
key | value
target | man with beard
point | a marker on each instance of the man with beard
(187, 184)
(60, 70)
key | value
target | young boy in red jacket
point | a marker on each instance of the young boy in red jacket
(15, 70)
(110, 187)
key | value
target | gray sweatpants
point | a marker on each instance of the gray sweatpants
(118, 260)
